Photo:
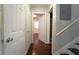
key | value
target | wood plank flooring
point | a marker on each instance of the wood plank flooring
(39, 49)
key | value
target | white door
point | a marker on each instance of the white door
(0, 32)
(42, 28)
(14, 30)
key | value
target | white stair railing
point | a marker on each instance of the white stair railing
(67, 27)
(75, 22)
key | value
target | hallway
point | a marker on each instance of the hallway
(40, 44)
(39, 29)
(24, 28)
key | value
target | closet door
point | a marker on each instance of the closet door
(14, 25)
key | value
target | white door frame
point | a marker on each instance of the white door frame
(2, 30)
(53, 27)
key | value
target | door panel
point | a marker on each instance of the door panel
(16, 47)
(8, 26)
(14, 29)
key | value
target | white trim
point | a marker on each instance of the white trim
(2, 29)
(67, 45)
(50, 7)
(38, 12)
(67, 27)
(54, 28)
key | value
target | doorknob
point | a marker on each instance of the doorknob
(9, 39)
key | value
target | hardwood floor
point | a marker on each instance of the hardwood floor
(40, 49)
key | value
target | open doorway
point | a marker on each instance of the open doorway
(37, 21)
(39, 47)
